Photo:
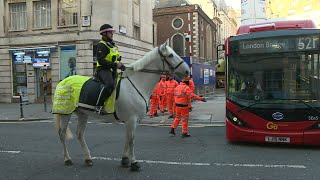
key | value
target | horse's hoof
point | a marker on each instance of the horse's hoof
(135, 166)
(88, 162)
(125, 162)
(68, 162)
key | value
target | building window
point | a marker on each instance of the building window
(201, 25)
(209, 48)
(178, 44)
(136, 19)
(136, 32)
(136, 12)
(19, 73)
(201, 46)
(177, 23)
(18, 16)
(68, 12)
(42, 14)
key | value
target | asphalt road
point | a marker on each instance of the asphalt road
(32, 150)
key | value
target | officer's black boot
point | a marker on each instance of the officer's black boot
(172, 131)
(103, 96)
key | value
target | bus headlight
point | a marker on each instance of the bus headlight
(235, 120)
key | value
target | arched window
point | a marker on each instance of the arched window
(209, 43)
(178, 44)
(177, 23)
(201, 47)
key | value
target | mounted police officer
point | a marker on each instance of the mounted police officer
(108, 62)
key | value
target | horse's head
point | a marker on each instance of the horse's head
(172, 62)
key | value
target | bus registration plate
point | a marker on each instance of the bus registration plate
(277, 139)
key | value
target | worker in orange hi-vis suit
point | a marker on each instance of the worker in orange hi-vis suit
(182, 97)
(192, 87)
(162, 91)
(154, 102)
(171, 84)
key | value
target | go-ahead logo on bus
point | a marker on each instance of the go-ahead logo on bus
(274, 126)
(277, 116)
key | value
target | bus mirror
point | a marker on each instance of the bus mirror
(220, 47)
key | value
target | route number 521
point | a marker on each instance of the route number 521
(311, 42)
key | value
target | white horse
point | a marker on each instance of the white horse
(138, 82)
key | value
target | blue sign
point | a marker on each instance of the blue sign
(206, 74)
(202, 74)
(33, 50)
(40, 62)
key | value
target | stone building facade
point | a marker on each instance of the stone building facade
(39, 37)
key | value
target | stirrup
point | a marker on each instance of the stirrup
(100, 110)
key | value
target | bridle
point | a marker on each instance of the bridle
(164, 60)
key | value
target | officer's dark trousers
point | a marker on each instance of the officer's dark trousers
(106, 77)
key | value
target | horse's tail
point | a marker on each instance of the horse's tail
(57, 118)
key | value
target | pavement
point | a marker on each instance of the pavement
(210, 113)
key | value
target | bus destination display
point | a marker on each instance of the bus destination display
(274, 45)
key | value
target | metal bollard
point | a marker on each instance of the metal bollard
(21, 107)
(44, 79)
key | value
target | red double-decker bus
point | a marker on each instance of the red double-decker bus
(273, 83)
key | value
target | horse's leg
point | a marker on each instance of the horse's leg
(129, 146)
(82, 122)
(62, 133)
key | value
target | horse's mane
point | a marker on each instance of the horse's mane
(144, 61)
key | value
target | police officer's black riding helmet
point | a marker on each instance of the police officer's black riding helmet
(104, 27)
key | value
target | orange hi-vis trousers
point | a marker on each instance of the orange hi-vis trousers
(182, 113)
(163, 103)
(170, 103)
(154, 103)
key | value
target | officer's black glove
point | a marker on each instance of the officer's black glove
(119, 59)
(204, 100)
(123, 68)
(114, 58)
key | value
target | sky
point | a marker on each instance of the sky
(236, 4)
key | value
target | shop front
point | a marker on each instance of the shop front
(31, 73)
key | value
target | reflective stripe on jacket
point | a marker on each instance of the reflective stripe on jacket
(183, 94)
(162, 87)
(171, 84)
(113, 52)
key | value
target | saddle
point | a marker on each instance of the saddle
(94, 93)
(96, 96)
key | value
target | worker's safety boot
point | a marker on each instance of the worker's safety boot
(172, 131)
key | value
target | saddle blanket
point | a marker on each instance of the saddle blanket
(68, 91)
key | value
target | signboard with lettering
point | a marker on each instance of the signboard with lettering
(41, 62)
(206, 76)
(283, 44)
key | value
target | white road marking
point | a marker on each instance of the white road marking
(156, 162)
(10, 152)
(209, 164)
(262, 165)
